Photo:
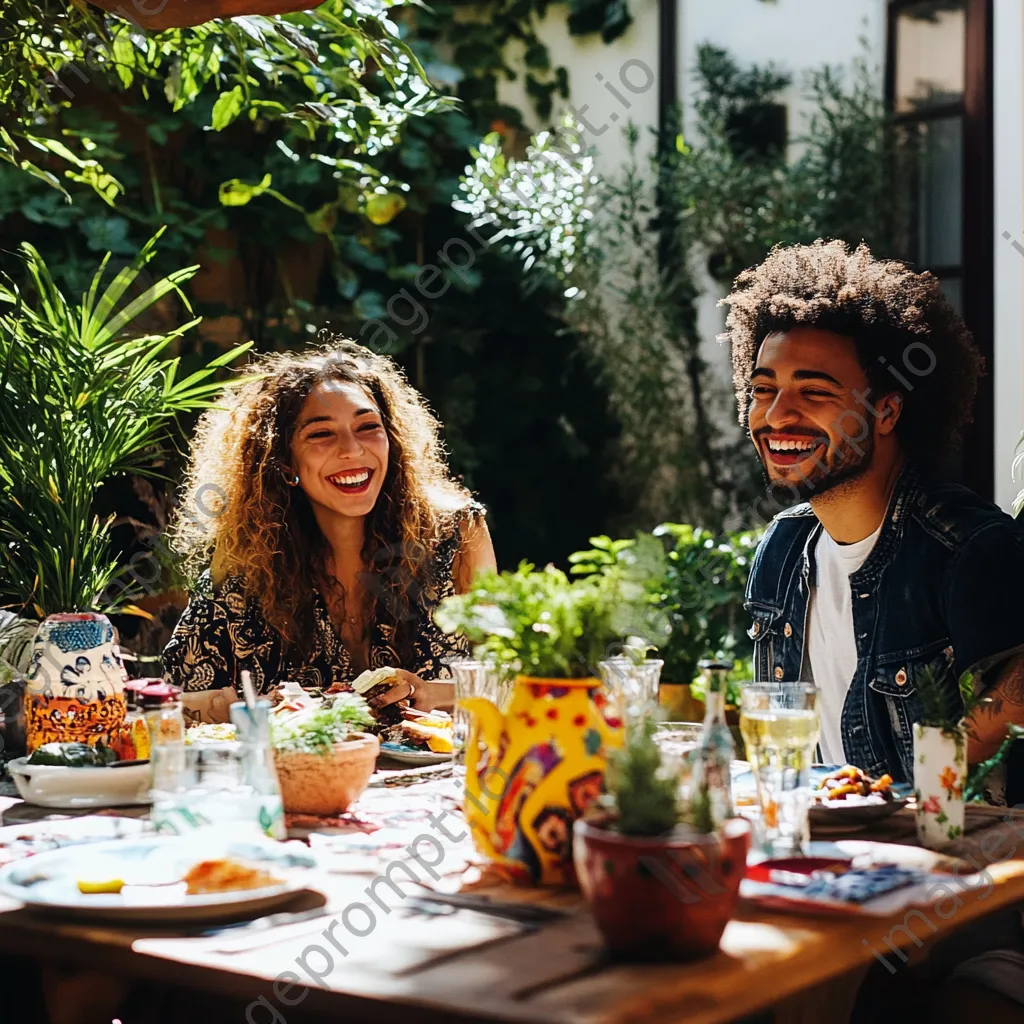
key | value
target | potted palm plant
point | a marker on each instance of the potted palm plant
(86, 394)
(661, 882)
(533, 768)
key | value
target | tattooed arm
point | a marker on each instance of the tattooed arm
(1004, 705)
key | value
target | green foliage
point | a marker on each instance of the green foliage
(636, 325)
(646, 797)
(850, 179)
(318, 731)
(609, 17)
(312, 244)
(266, 69)
(86, 394)
(974, 788)
(541, 623)
(742, 672)
(945, 702)
(716, 197)
(699, 585)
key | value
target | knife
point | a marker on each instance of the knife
(528, 913)
(260, 924)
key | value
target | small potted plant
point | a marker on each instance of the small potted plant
(323, 758)
(662, 884)
(940, 756)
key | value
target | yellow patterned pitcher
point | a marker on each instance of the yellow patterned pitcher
(533, 770)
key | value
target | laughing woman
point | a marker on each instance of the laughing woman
(321, 503)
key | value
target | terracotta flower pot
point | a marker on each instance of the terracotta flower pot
(327, 783)
(663, 897)
(160, 14)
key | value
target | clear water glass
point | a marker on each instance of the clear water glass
(780, 727)
(632, 684)
(677, 741)
(207, 789)
(474, 678)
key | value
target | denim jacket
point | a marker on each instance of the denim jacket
(940, 591)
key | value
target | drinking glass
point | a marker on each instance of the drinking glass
(474, 678)
(632, 684)
(677, 741)
(204, 786)
(780, 725)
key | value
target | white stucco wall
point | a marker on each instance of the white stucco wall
(1008, 116)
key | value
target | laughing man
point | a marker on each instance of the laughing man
(855, 378)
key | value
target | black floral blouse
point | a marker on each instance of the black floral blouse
(222, 632)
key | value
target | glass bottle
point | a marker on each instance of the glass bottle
(161, 705)
(712, 771)
(259, 773)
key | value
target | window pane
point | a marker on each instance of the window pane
(940, 192)
(930, 45)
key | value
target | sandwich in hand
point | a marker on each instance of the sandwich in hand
(374, 682)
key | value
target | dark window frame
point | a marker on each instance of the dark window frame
(977, 258)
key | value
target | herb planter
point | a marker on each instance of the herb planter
(156, 15)
(940, 771)
(328, 783)
(661, 897)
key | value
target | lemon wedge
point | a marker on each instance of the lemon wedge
(107, 885)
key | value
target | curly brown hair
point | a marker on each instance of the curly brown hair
(241, 514)
(898, 318)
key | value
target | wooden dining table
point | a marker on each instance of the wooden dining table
(466, 966)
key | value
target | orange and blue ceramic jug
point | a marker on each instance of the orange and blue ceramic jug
(75, 682)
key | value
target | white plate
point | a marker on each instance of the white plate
(48, 882)
(73, 789)
(408, 755)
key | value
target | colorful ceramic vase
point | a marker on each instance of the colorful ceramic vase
(940, 771)
(533, 770)
(75, 682)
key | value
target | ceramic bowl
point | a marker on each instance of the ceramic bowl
(80, 788)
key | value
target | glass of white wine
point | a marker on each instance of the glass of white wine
(780, 724)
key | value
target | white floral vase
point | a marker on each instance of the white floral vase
(940, 771)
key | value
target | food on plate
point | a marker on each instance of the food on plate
(852, 782)
(207, 733)
(92, 886)
(73, 755)
(226, 875)
(415, 733)
(375, 682)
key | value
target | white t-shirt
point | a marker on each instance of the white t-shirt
(831, 647)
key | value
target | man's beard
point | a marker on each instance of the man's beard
(847, 463)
